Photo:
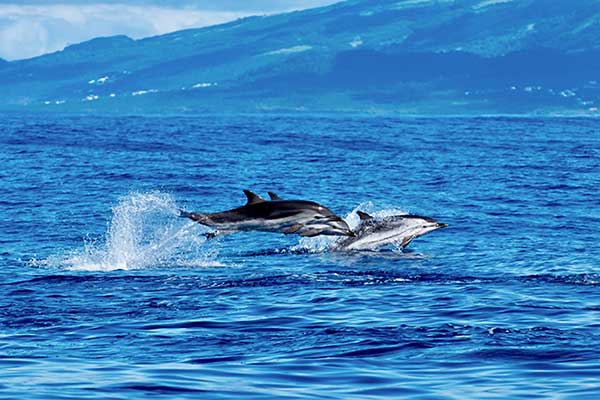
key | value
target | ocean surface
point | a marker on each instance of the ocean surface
(106, 293)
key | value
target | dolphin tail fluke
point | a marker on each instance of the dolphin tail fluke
(217, 233)
(184, 214)
(198, 217)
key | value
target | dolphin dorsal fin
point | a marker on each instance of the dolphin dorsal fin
(274, 196)
(253, 198)
(363, 215)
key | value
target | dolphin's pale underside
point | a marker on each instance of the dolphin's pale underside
(398, 230)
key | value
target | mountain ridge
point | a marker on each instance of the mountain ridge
(443, 56)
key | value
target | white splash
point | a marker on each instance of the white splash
(145, 231)
(356, 42)
(142, 92)
(290, 50)
(204, 85)
(488, 3)
(410, 3)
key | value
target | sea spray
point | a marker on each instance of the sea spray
(145, 232)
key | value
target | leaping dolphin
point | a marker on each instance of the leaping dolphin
(300, 217)
(400, 230)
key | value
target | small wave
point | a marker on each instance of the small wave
(142, 233)
(156, 389)
(591, 279)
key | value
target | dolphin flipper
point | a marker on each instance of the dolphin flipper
(311, 232)
(293, 229)
(406, 241)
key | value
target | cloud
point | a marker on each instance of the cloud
(38, 27)
(265, 6)
(27, 31)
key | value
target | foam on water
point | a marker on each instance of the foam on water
(144, 231)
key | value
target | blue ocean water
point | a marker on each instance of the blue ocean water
(105, 293)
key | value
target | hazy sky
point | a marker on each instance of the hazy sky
(32, 27)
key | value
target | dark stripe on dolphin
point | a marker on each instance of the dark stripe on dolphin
(276, 215)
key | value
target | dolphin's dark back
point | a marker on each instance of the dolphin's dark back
(269, 209)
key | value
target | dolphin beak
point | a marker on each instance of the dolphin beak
(350, 233)
(442, 225)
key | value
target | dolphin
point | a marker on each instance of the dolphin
(300, 217)
(372, 233)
